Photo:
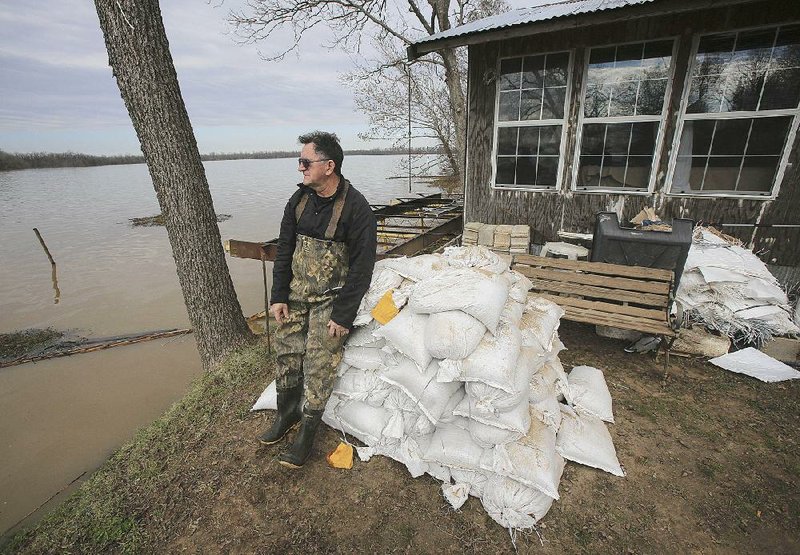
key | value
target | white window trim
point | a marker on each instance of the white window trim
(533, 123)
(660, 118)
(683, 117)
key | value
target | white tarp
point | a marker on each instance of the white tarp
(756, 364)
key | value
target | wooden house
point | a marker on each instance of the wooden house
(582, 106)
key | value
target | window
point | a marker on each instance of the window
(623, 103)
(532, 95)
(739, 111)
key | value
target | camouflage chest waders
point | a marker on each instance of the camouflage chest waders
(306, 353)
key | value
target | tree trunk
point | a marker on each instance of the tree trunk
(138, 53)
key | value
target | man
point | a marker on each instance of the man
(326, 254)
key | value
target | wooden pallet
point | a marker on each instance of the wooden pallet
(627, 297)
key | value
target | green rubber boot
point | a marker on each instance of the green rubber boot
(287, 416)
(297, 455)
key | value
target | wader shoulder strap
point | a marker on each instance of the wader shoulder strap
(338, 206)
(298, 211)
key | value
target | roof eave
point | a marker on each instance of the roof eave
(418, 50)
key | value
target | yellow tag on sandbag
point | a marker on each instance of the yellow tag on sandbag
(385, 310)
(341, 457)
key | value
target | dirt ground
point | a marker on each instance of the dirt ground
(711, 460)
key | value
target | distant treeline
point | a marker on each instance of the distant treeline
(15, 161)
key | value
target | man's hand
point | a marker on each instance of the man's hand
(335, 330)
(280, 311)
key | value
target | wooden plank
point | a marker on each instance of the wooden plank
(657, 287)
(617, 321)
(627, 310)
(655, 274)
(647, 299)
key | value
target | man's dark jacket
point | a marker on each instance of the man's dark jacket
(357, 228)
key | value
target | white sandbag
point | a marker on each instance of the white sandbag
(476, 481)
(430, 395)
(342, 369)
(455, 494)
(585, 439)
(471, 291)
(517, 419)
(447, 415)
(513, 505)
(541, 387)
(487, 435)
(491, 399)
(475, 256)
(494, 360)
(363, 336)
(363, 358)
(383, 279)
(512, 311)
(451, 446)
(531, 460)
(589, 393)
(362, 385)
(452, 334)
(406, 333)
(539, 323)
(417, 268)
(268, 400)
(520, 285)
(360, 420)
(548, 410)
(554, 372)
(438, 471)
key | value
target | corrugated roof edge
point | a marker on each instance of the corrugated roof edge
(519, 17)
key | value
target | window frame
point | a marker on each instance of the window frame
(555, 188)
(783, 163)
(660, 118)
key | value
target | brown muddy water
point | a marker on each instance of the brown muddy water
(61, 418)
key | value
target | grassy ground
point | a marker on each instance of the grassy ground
(711, 461)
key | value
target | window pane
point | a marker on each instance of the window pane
(509, 106)
(507, 141)
(533, 72)
(594, 135)
(531, 104)
(643, 138)
(506, 167)
(623, 98)
(651, 96)
(637, 174)
(743, 90)
(546, 171)
(528, 141)
(758, 173)
(657, 56)
(596, 103)
(705, 95)
(526, 170)
(557, 66)
(589, 171)
(618, 135)
(782, 89)
(730, 137)
(713, 54)
(510, 74)
(554, 98)
(550, 140)
(696, 137)
(787, 47)
(754, 46)
(769, 135)
(722, 173)
(629, 55)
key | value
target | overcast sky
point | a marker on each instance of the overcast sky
(58, 93)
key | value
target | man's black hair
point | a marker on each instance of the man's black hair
(326, 145)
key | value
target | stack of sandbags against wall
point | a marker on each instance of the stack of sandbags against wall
(465, 384)
(727, 288)
(502, 238)
(471, 232)
(520, 239)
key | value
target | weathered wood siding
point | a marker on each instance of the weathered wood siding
(549, 211)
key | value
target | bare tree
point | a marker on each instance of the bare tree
(380, 84)
(138, 53)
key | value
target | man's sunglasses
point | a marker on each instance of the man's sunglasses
(305, 163)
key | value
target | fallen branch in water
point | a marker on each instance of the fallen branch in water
(98, 345)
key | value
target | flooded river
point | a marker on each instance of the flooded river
(60, 419)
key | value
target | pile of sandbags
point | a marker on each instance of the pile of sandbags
(506, 239)
(465, 384)
(729, 289)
